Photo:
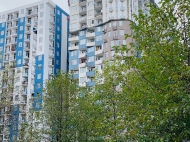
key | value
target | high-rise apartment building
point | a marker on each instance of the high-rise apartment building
(95, 27)
(33, 46)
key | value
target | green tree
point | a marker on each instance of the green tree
(157, 84)
(58, 104)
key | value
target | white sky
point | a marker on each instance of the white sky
(10, 4)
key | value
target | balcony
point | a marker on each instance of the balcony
(99, 61)
(90, 83)
(73, 47)
(98, 15)
(82, 55)
(82, 64)
(51, 55)
(25, 65)
(27, 31)
(90, 43)
(27, 39)
(90, 34)
(82, 11)
(99, 51)
(26, 57)
(51, 38)
(13, 49)
(35, 20)
(52, 21)
(27, 48)
(14, 33)
(28, 23)
(52, 12)
(110, 1)
(51, 29)
(122, 8)
(115, 37)
(51, 63)
(9, 26)
(15, 26)
(90, 73)
(32, 13)
(82, 2)
(82, 19)
(76, 76)
(74, 38)
(98, 6)
(111, 9)
(83, 26)
(13, 42)
(25, 83)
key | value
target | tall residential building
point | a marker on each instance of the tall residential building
(33, 46)
(95, 27)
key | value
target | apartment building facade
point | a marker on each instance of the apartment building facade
(33, 47)
(95, 27)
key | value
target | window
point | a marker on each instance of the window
(41, 23)
(39, 85)
(40, 48)
(112, 53)
(58, 28)
(74, 1)
(19, 62)
(58, 44)
(20, 44)
(122, 32)
(74, 53)
(82, 33)
(90, 21)
(57, 53)
(74, 9)
(83, 41)
(91, 49)
(21, 28)
(3, 17)
(91, 59)
(74, 17)
(39, 76)
(58, 36)
(124, 42)
(58, 12)
(21, 19)
(90, 4)
(41, 6)
(99, 38)
(1, 48)
(73, 62)
(109, 34)
(1, 40)
(112, 43)
(118, 42)
(57, 62)
(2, 32)
(106, 54)
(40, 39)
(98, 29)
(106, 45)
(82, 70)
(41, 31)
(20, 36)
(90, 12)
(39, 66)
(39, 57)
(121, 23)
(74, 26)
(22, 11)
(110, 25)
(82, 79)
(41, 14)
(19, 53)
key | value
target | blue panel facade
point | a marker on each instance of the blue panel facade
(98, 33)
(20, 42)
(2, 45)
(38, 83)
(76, 57)
(14, 123)
(58, 37)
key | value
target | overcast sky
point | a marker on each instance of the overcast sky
(10, 4)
